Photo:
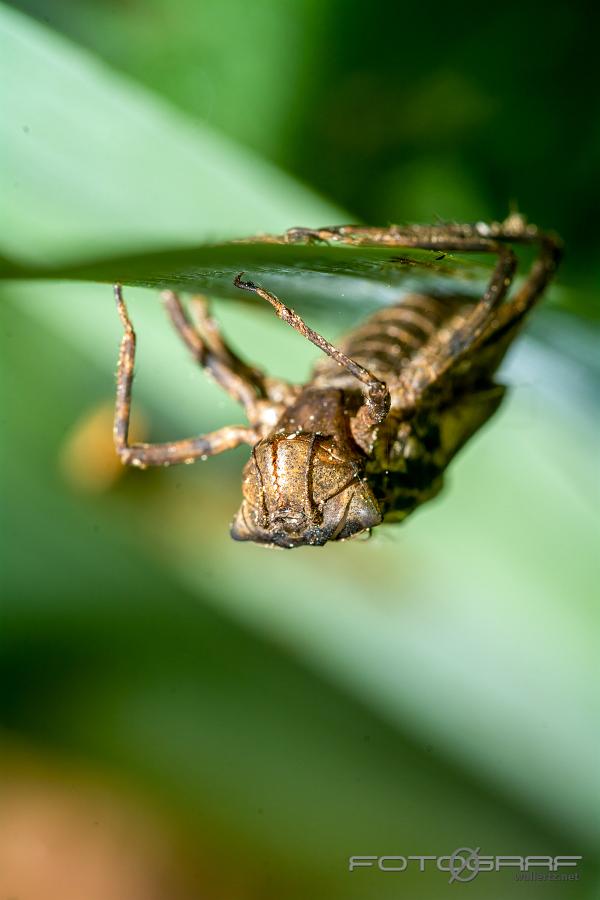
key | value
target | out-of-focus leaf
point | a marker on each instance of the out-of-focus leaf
(92, 163)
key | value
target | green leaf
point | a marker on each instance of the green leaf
(330, 278)
(94, 164)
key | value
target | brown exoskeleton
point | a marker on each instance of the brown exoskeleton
(369, 436)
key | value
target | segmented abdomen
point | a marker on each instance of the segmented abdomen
(391, 336)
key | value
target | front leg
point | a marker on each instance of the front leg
(376, 404)
(183, 451)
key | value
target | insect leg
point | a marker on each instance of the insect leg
(446, 237)
(436, 357)
(511, 314)
(241, 382)
(490, 320)
(186, 450)
(377, 397)
(261, 396)
(489, 316)
(278, 391)
(481, 238)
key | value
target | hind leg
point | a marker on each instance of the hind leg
(512, 313)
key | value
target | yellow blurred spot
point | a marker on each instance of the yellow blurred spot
(68, 833)
(87, 458)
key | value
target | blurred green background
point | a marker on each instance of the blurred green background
(250, 719)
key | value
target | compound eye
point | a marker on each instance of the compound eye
(353, 510)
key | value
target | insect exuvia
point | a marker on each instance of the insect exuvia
(367, 439)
